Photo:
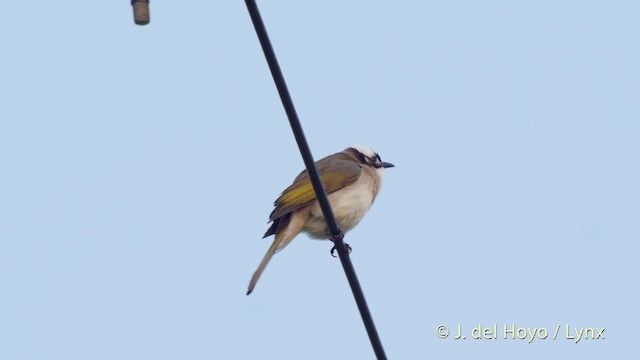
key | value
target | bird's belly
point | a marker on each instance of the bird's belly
(349, 207)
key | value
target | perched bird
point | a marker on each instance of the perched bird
(351, 179)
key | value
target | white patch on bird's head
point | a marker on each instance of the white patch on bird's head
(364, 150)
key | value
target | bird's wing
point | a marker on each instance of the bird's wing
(336, 171)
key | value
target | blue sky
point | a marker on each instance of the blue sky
(140, 164)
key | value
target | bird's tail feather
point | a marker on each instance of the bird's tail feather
(287, 229)
(263, 264)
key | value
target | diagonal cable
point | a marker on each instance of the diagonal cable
(321, 195)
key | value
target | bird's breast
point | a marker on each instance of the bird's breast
(349, 205)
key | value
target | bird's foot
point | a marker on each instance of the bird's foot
(346, 246)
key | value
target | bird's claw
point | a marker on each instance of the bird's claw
(346, 246)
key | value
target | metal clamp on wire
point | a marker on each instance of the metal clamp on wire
(140, 11)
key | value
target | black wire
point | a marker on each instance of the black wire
(321, 195)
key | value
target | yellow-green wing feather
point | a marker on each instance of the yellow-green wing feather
(336, 171)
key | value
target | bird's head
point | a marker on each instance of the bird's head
(369, 157)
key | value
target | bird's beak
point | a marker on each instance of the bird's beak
(387, 165)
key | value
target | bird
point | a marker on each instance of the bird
(351, 179)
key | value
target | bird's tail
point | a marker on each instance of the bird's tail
(288, 229)
(263, 264)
